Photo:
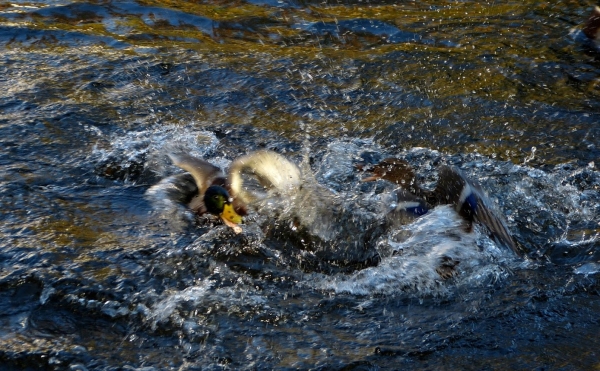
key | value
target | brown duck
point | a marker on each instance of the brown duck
(453, 187)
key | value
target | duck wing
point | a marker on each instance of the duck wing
(204, 173)
(177, 189)
(272, 170)
(409, 204)
(471, 203)
(406, 207)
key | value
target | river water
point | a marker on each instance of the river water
(96, 274)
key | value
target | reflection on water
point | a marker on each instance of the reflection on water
(95, 275)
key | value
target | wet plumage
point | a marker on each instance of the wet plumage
(223, 194)
(453, 187)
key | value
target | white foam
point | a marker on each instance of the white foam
(150, 146)
(587, 269)
(167, 306)
(424, 245)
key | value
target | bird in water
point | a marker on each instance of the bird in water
(453, 187)
(222, 194)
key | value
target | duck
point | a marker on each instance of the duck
(223, 194)
(453, 187)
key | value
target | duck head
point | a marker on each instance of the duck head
(393, 170)
(218, 202)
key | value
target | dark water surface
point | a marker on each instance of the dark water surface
(96, 275)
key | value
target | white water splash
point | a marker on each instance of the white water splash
(415, 254)
(149, 147)
(167, 306)
(587, 269)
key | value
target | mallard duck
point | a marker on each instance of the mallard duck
(223, 194)
(453, 187)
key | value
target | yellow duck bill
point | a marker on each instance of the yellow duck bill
(229, 214)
